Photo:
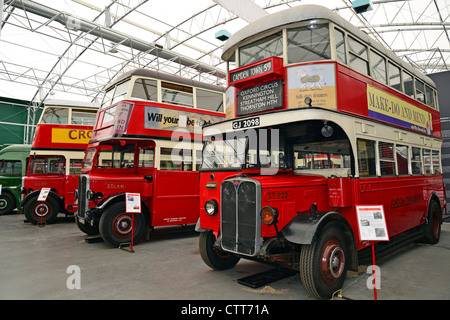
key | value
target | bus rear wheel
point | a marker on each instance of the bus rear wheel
(41, 211)
(116, 224)
(323, 263)
(215, 258)
(432, 228)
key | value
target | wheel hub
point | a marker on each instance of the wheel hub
(41, 210)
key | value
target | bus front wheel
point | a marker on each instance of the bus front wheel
(7, 203)
(41, 211)
(323, 263)
(116, 225)
(215, 258)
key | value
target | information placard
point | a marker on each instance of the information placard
(372, 223)
(133, 202)
(43, 194)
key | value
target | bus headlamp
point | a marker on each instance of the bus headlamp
(211, 207)
(269, 215)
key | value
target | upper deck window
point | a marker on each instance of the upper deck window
(420, 91)
(209, 100)
(394, 77)
(145, 89)
(267, 47)
(309, 43)
(358, 56)
(408, 84)
(378, 64)
(429, 96)
(121, 91)
(177, 94)
(83, 117)
(339, 38)
(56, 115)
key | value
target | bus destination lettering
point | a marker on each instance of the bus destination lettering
(250, 72)
(263, 97)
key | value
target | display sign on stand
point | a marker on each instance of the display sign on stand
(42, 198)
(372, 227)
(132, 205)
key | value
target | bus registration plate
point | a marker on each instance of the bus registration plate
(247, 123)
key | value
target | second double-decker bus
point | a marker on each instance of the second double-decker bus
(325, 122)
(61, 137)
(147, 140)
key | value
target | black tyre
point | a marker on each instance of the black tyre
(323, 264)
(115, 225)
(215, 258)
(432, 227)
(7, 203)
(41, 211)
(87, 228)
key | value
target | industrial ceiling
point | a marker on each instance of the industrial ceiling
(70, 49)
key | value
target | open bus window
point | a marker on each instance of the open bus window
(47, 165)
(116, 156)
(56, 115)
(10, 167)
(366, 158)
(309, 43)
(177, 94)
(145, 89)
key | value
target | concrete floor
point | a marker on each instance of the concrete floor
(34, 264)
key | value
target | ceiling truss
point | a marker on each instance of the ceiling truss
(416, 33)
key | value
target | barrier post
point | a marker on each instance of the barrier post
(42, 198)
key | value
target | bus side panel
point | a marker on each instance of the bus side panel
(176, 198)
(404, 199)
(351, 91)
(70, 184)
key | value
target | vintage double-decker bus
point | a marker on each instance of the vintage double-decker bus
(325, 120)
(61, 137)
(147, 140)
(13, 166)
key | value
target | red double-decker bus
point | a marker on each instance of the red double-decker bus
(147, 140)
(323, 122)
(61, 137)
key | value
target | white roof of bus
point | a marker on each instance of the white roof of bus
(70, 103)
(304, 13)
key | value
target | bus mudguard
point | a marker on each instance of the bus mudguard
(305, 228)
(36, 193)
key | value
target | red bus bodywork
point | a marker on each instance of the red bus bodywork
(169, 190)
(308, 221)
(55, 162)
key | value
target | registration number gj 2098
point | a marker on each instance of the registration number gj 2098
(246, 123)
